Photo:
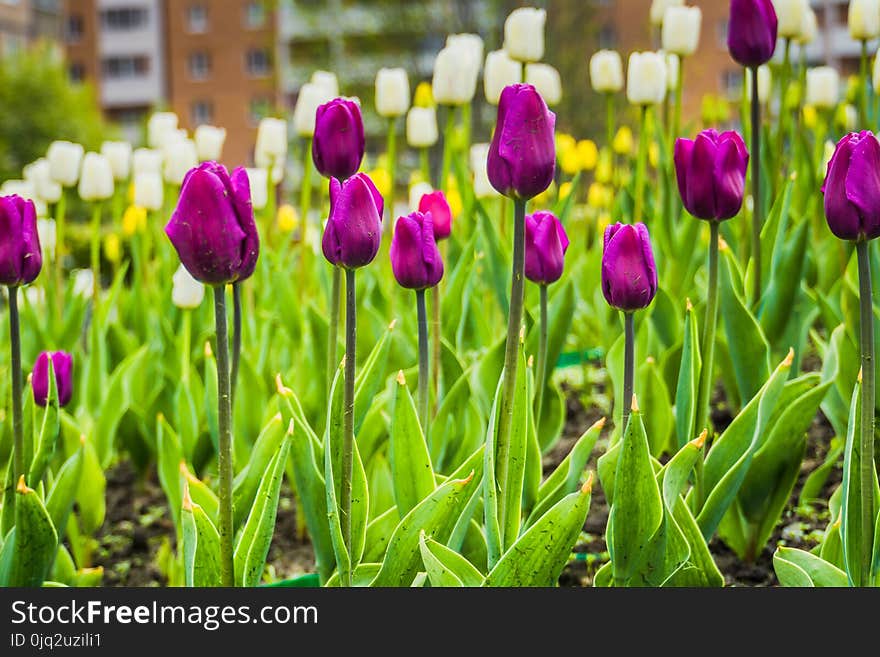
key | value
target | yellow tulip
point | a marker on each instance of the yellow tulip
(604, 170)
(811, 117)
(565, 190)
(603, 222)
(545, 198)
(288, 219)
(134, 220)
(455, 203)
(113, 248)
(597, 196)
(424, 97)
(623, 141)
(588, 154)
(565, 142)
(382, 180)
(654, 154)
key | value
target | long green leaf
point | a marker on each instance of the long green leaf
(411, 469)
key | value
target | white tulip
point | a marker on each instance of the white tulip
(470, 42)
(209, 142)
(823, 87)
(864, 19)
(48, 235)
(119, 155)
(160, 126)
(546, 80)
(327, 81)
(606, 71)
(180, 157)
(421, 127)
(765, 81)
(524, 34)
(658, 10)
(65, 159)
(83, 282)
(259, 181)
(479, 156)
(809, 29)
(311, 96)
(790, 14)
(186, 292)
(96, 181)
(681, 30)
(39, 174)
(500, 72)
(416, 192)
(646, 78)
(271, 148)
(673, 65)
(392, 92)
(454, 82)
(149, 190)
(146, 160)
(26, 190)
(850, 117)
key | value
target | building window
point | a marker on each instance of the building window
(125, 67)
(197, 19)
(721, 30)
(124, 19)
(260, 108)
(76, 72)
(202, 112)
(74, 28)
(607, 37)
(257, 62)
(254, 14)
(199, 65)
(732, 83)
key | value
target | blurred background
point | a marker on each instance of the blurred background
(68, 68)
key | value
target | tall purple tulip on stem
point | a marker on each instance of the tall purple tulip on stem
(751, 40)
(20, 262)
(215, 235)
(852, 210)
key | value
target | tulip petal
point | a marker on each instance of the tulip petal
(731, 162)
(842, 217)
(10, 241)
(684, 151)
(241, 199)
(752, 31)
(863, 184)
(629, 275)
(700, 199)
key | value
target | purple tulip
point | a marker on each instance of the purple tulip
(711, 172)
(62, 363)
(20, 254)
(354, 228)
(522, 157)
(852, 188)
(546, 244)
(213, 226)
(441, 213)
(629, 275)
(751, 33)
(338, 145)
(415, 258)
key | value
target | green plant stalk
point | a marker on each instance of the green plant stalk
(333, 329)
(305, 198)
(609, 120)
(391, 151)
(186, 342)
(447, 149)
(425, 163)
(348, 412)
(641, 165)
(271, 201)
(864, 91)
(629, 367)
(866, 456)
(424, 377)
(15, 359)
(96, 253)
(708, 349)
(784, 75)
(236, 337)
(542, 355)
(466, 123)
(224, 455)
(60, 209)
(511, 360)
(676, 116)
(436, 307)
(757, 206)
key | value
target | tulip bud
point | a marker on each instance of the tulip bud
(146, 160)
(864, 19)
(629, 275)
(524, 34)
(435, 204)
(471, 42)
(213, 227)
(118, 153)
(479, 157)
(149, 191)
(311, 96)
(791, 17)
(522, 157)
(455, 77)
(424, 97)
(271, 148)
(765, 84)
(259, 182)
(327, 81)
(180, 158)
(546, 80)
(823, 87)
(751, 33)
(672, 70)
(606, 71)
(20, 254)
(658, 10)
(711, 173)
(810, 28)
(338, 145)
(416, 192)
(415, 258)
(83, 282)
(421, 127)
(40, 176)
(852, 188)
(62, 365)
(47, 231)
(65, 159)
(160, 127)
(392, 92)
(681, 30)
(354, 227)
(209, 142)
(186, 292)
(96, 181)
(500, 72)
(646, 78)
(546, 244)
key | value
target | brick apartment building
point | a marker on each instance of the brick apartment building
(24, 21)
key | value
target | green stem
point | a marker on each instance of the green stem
(708, 349)
(757, 205)
(629, 367)
(272, 198)
(447, 149)
(424, 377)
(437, 346)
(641, 165)
(348, 413)
(391, 150)
(60, 209)
(679, 92)
(186, 342)
(542, 356)
(609, 120)
(466, 123)
(425, 162)
(15, 353)
(224, 455)
(333, 330)
(236, 336)
(865, 76)
(305, 199)
(866, 455)
(96, 254)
